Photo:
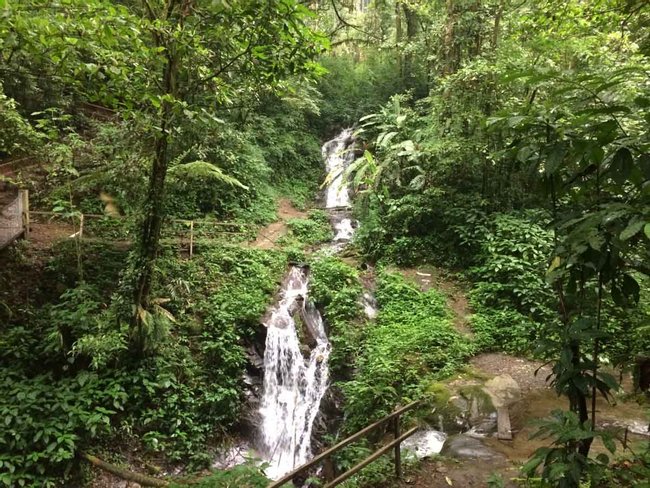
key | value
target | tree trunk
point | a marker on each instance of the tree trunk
(450, 53)
(398, 38)
(411, 31)
(154, 212)
(497, 26)
(125, 474)
(578, 402)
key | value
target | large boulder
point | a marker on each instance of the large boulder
(503, 391)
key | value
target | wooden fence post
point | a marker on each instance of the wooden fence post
(398, 452)
(191, 238)
(24, 199)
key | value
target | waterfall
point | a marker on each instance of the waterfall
(337, 159)
(296, 371)
(293, 385)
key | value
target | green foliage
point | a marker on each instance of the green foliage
(562, 465)
(47, 420)
(102, 263)
(335, 288)
(233, 151)
(412, 343)
(186, 395)
(511, 264)
(352, 89)
(503, 329)
(288, 144)
(315, 229)
(376, 473)
(16, 133)
(583, 159)
(98, 167)
(244, 476)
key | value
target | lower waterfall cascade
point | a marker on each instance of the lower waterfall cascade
(294, 380)
(293, 385)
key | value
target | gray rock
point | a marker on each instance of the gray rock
(503, 390)
(466, 447)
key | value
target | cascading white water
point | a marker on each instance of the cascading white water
(337, 159)
(344, 230)
(294, 384)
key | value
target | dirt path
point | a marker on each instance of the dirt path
(268, 236)
(446, 472)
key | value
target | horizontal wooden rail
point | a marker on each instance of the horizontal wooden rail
(349, 440)
(119, 217)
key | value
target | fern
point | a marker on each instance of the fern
(204, 169)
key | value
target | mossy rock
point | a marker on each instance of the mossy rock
(445, 414)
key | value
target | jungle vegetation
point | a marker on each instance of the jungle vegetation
(504, 140)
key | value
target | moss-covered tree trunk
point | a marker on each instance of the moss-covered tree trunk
(154, 208)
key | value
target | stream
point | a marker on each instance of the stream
(297, 350)
(296, 371)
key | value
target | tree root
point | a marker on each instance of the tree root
(125, 474)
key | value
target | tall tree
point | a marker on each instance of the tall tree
(172, 61)
(214, 49)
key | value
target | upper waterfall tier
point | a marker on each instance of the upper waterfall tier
(338, 155)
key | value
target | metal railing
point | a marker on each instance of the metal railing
(394, 444)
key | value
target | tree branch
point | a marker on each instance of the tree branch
(348, 24)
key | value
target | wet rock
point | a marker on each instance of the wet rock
(425, 443)
(460, 403)
(255, 359)
(466, 447)
(484, 425)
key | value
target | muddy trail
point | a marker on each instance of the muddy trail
(269, 235)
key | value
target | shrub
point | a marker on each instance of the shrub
(504, 330)
(16, 134)
(412, 343)
(336, 290)
(315, 229)
(512, 264)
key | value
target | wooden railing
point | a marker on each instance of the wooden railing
(394, 444)
(14, 219)
(183, 231)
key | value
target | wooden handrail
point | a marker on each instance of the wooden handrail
(354, 437)
(185, 221)
(373, 457)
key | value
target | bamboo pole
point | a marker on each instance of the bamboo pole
(191, 238)
(398, 453)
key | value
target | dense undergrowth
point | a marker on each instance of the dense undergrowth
(504, 141)
(179, 402)
(412, 343)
